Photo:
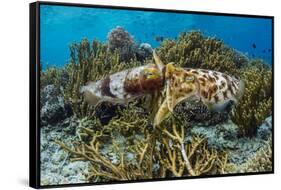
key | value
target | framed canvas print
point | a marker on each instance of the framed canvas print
(121, 94)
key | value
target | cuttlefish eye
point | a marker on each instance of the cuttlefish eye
(189, 79)
(151, 73)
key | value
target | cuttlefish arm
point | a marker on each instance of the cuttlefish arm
(158, 61)
(180, 85)
(169, 69)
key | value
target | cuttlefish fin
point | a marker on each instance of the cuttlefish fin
(163, 113)
(158, 61)
(90, 97)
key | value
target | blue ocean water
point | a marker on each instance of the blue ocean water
(62, 25)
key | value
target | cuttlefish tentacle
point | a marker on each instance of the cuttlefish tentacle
(180, 85)
(158, 61)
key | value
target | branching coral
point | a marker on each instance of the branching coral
(256, 103)
(52, 75)
(128, 149)
(127, 146)
(112, 153)
(193, 158)
(192, 49)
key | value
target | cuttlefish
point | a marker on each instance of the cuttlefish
(212, 88)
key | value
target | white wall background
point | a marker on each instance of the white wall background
(14, 54)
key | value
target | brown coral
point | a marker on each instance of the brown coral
(147, 147)
(192, 49)
(256, 103)
(119, 39)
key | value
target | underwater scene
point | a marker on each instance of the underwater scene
(128, 95)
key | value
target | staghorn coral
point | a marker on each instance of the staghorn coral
(256, 103)
(128, 149)
(192, 158)
(114, 148)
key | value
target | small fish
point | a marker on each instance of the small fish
(212, 88)
(254, 45)
(159, 38)
(126, 85)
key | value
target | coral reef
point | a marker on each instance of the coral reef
(192, 49)
(53, 108)
(261, 161)
(225, 136)
(118, 142)
(190, 113)
(119, 39)
(56, 168)
(144, 51)
(128, 149)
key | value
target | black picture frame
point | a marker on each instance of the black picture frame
(34, 91)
